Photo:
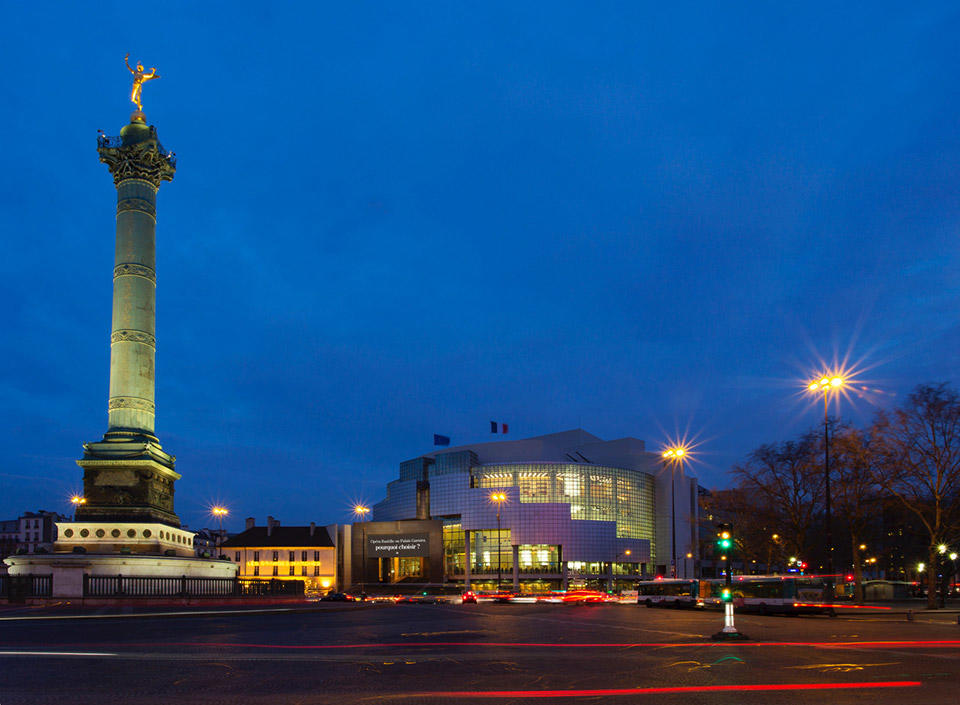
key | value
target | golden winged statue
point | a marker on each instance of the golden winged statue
(139, 76)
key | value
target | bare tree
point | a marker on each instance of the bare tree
(918, 448)
(855, 492)
(789, 480)
(754, 520)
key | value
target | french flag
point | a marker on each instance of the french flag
(494, 425)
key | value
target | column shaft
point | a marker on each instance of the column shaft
(133, 335)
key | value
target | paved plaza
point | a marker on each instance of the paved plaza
(476, 653)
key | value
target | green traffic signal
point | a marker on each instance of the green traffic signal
(726, 595)
(724, 539)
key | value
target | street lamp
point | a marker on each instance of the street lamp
(361, 511)
(76, 501)
(673, 456)
(219, 513)
(499, 498)
(827, 384)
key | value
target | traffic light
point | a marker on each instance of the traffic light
(726, 595)
(724, 537)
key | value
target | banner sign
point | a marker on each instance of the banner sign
(398, 545)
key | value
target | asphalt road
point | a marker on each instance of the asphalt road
(484, 653)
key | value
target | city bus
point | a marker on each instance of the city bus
(766, 594)
(668, 592)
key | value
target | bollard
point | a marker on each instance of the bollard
(909, 615)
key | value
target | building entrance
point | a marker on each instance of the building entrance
(401, 569)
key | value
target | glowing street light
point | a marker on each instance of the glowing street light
(674, 456)
(825, 385)
(76, 501)
(499, 498)
(219, 512)
(360, 511)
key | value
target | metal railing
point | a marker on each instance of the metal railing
(115, 142)
(184, 586)
(16, 588)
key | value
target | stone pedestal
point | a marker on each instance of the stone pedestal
(69, 569)
(110, 537)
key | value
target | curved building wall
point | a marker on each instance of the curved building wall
(594, 492)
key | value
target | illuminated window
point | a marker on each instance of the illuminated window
(303, 556)
(293, 556)
(316, 570)
(237, 557)
(303, 570)
(256, 556)
(276, 555)
(316, 555)
(292, 570)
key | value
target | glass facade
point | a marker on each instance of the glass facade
(487, 552)
(592, 491)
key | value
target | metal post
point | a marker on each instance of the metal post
(363, 560)
(673, 516)
(499, 564)
(828, 583)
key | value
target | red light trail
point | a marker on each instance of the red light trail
(461, 695)
(937, 644)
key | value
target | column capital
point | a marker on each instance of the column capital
(137, 154)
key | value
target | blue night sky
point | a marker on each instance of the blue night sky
(393, 220)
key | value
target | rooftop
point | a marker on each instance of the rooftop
(281, 537)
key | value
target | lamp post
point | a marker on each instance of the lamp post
(672, 457)
(361, 511)
(774, 539)
(499, 498)
(219, 513)
(827, 384)
(76, 501)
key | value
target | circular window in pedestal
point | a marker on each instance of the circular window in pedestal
(68, 533)
(115, 533)
(131, 533)
(84, 532)
(147, 533)
(101, 533)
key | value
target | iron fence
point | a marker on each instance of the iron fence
(185, 586)
(16, 588)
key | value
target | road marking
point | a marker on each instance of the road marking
(463, 695)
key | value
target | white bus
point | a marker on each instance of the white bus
(672, 592)
(765, 594)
